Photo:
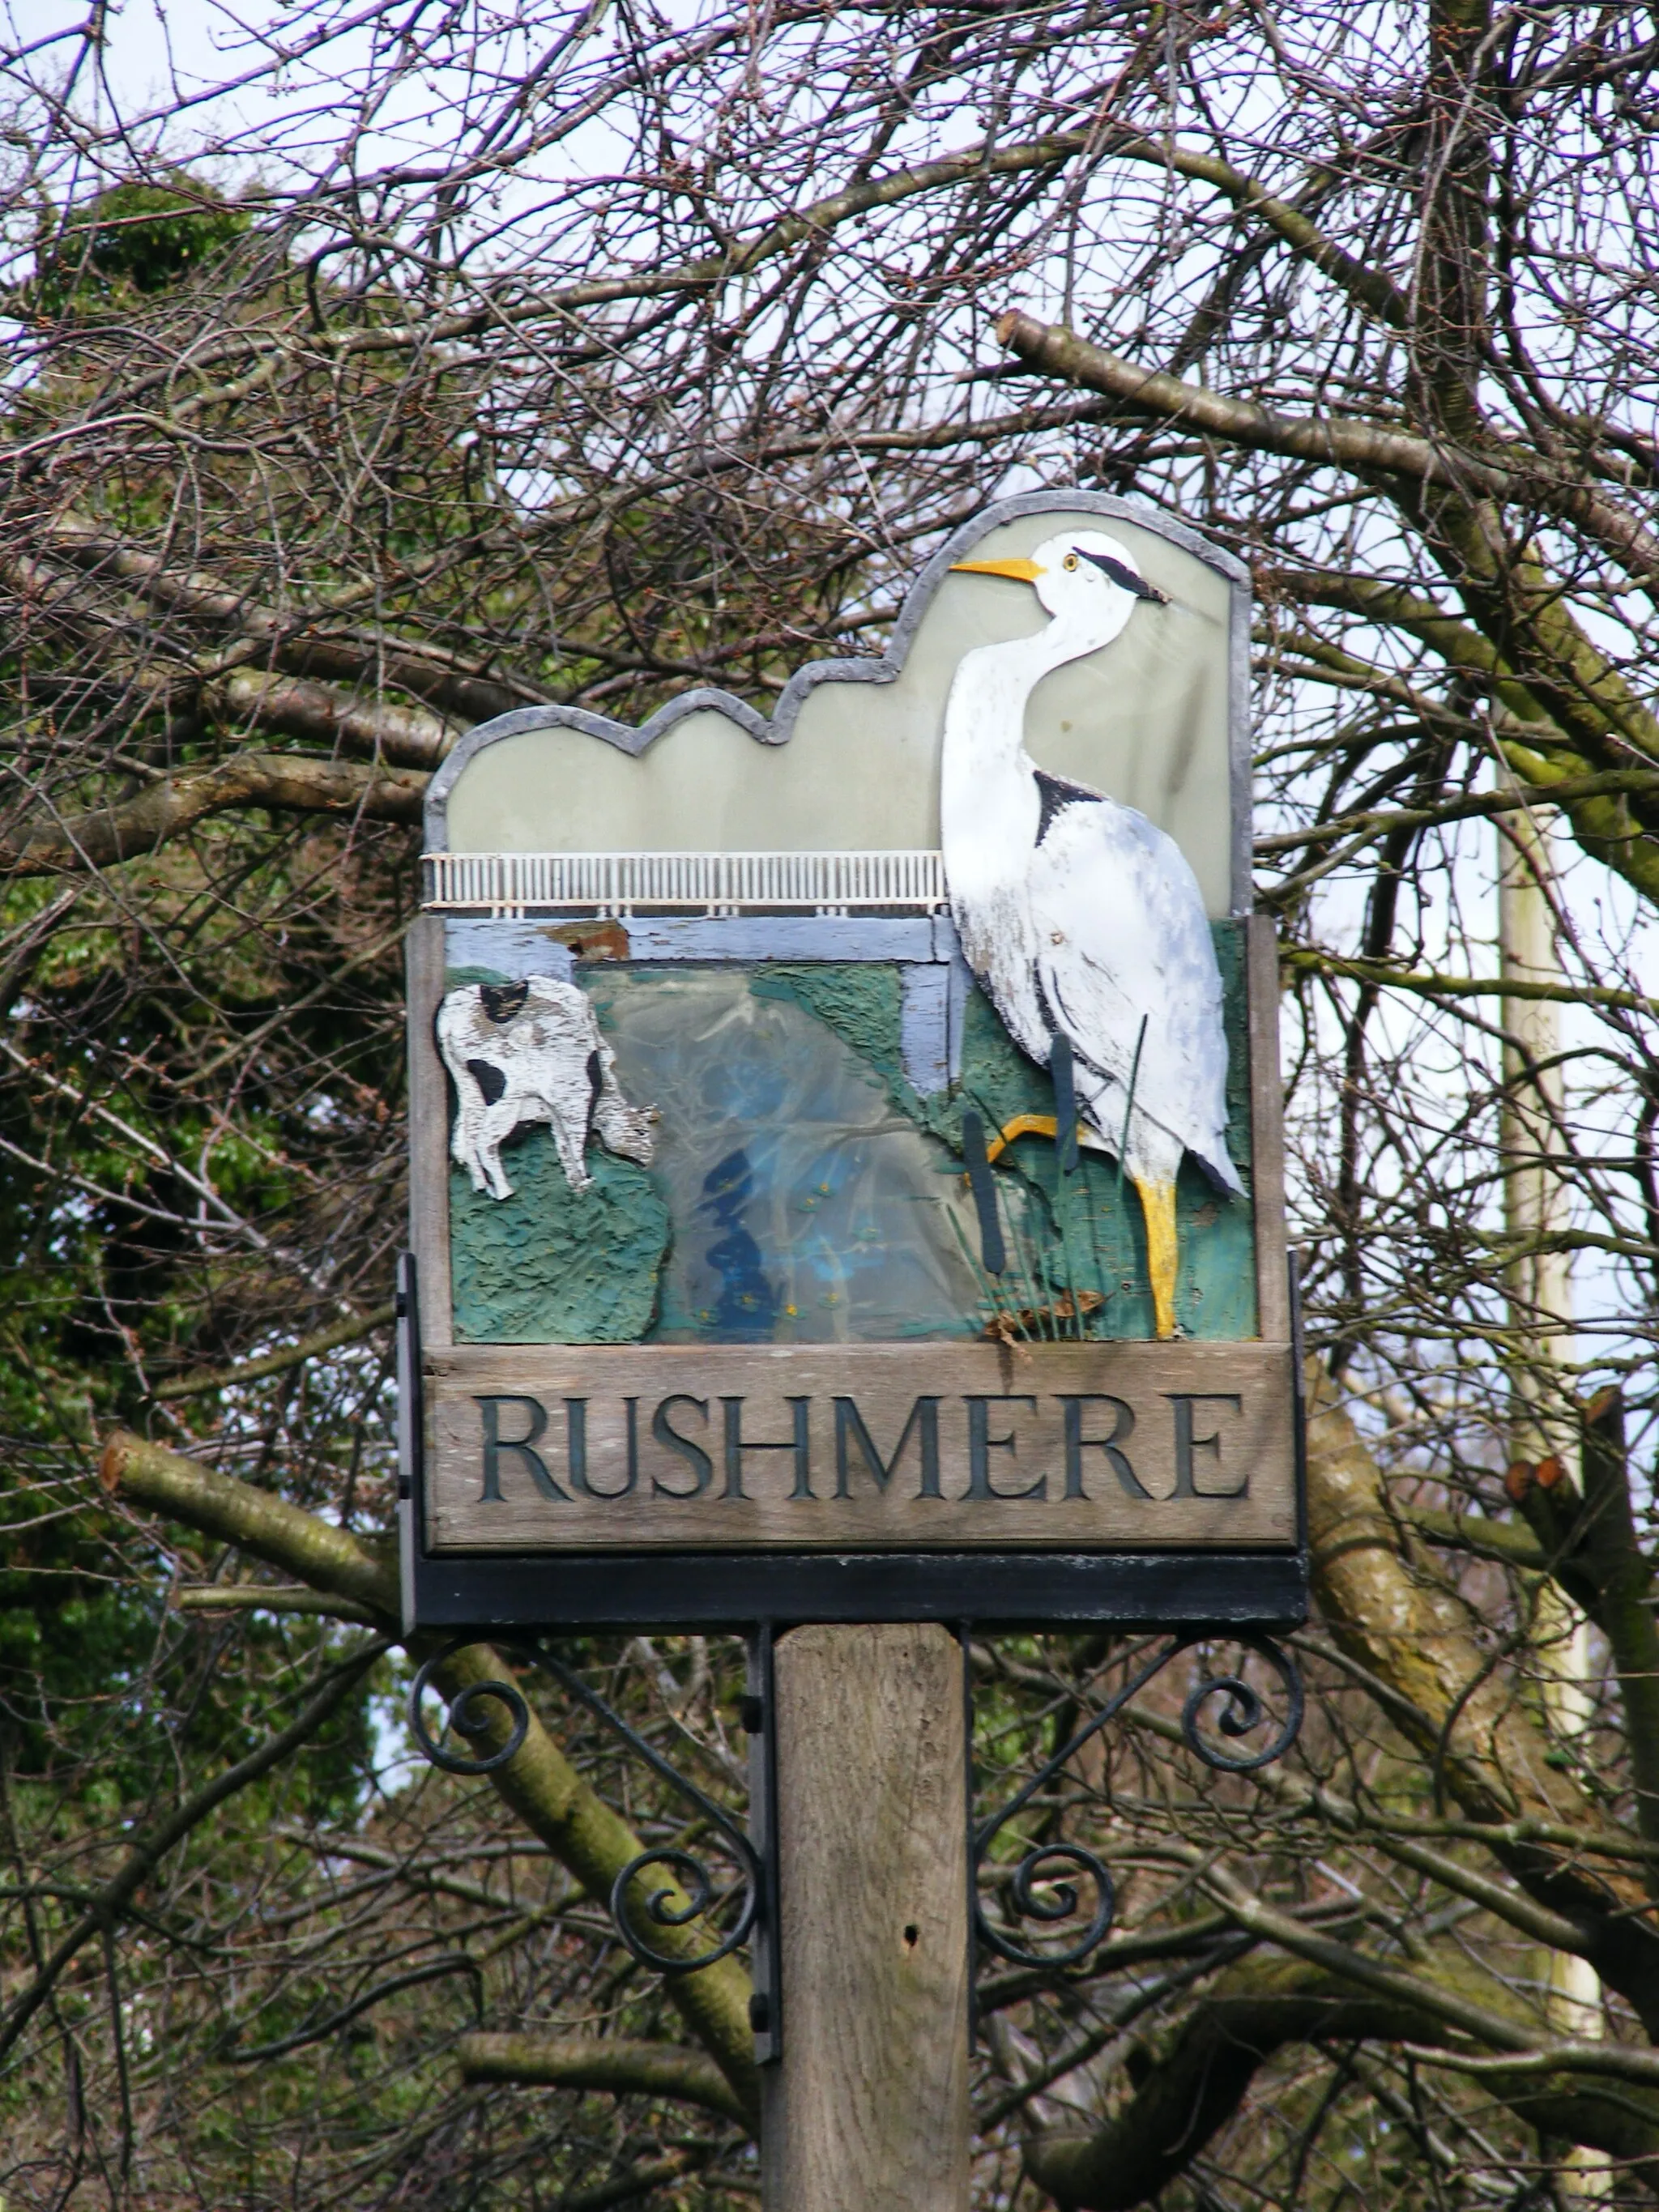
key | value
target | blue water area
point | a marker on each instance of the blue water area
(806, 1207)
(749, 1302)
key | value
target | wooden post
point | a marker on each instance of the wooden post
(868, 2110)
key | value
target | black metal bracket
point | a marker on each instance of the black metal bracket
(689, 1891)
(766, 1948)
(1242, 1712)
(637, 1907)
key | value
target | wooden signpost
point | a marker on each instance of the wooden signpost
(847, 1189)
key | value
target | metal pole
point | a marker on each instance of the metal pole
(867, 2109)
(1539, 1280)
(1540, 1287)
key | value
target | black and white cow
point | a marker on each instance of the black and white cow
(529, 1052)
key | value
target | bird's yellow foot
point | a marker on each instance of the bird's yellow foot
(1023, 1125)
(1158, 1204)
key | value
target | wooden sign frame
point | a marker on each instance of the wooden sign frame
(684, 1486)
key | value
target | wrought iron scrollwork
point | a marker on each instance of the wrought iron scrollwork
(675, 1902)
(1243, 1711)
(467, 1718)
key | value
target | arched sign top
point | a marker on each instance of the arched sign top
(848, 763)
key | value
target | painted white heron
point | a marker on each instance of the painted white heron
(1076, 914)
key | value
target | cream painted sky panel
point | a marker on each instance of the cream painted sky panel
(1144, 720)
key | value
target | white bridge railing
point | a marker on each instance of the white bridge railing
(504, 884)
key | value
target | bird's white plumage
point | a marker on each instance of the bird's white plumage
(1121, 933)
(1075, 912)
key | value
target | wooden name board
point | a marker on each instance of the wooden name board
(846, 1174)
(862, 1446)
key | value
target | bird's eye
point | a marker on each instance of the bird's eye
(1070, 562)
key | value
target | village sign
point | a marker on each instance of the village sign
(846, 1168)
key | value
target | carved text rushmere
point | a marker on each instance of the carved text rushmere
(601, 1447)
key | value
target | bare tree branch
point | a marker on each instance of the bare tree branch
(629, 2070)
(283, 782)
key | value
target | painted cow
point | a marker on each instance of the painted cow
(527, 1051)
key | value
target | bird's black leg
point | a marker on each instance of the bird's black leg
(992, 1249)
(1060, 1069)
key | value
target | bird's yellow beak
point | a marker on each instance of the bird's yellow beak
(1021, 572)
